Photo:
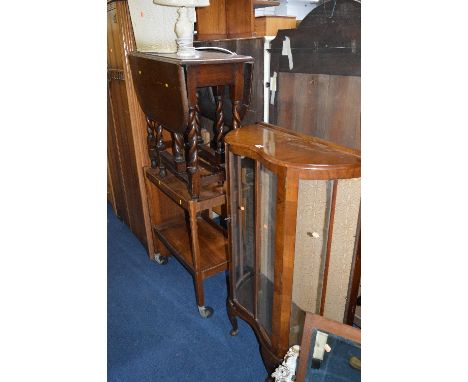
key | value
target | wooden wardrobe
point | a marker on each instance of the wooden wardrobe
(126, 131)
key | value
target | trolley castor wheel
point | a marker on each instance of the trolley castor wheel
(234, 332)
(205, 311)
(162, 260)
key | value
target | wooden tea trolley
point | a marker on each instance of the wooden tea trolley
(188, 170)
(293, 208)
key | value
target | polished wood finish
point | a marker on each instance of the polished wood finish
(127, 134)
(279, 148)
(285, 240)
(161, 87)
(210, 196)
(314, 321)
(292, 157)
(175, 236)
(269, 25)
(189, 235)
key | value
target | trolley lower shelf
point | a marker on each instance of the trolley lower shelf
(212, 241)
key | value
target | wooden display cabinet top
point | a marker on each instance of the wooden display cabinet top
(285, 148)
(202, 58)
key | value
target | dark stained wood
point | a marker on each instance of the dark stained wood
(167, 90)
(346, 12)
(192, 157)
(252, 104)
(331, 221)
(323, 44)
(160, 147)
(200, 59)
(207, 173)
(178, 151)
(292, 157)
(314, 321)
(219, 123)
(326, 55)
(258, 230)
(160, 86)
(329, 107)
(152, 153)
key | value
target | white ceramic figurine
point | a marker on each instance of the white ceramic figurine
(287, 370)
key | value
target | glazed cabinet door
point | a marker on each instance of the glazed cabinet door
(253, 213)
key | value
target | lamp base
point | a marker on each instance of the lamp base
(185, 47)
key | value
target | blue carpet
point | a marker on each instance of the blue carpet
(154, 331)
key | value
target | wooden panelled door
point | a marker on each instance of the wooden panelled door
(126, 130)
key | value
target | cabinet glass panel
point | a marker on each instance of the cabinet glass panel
(266, 195)
(336, 365)
(243, 228)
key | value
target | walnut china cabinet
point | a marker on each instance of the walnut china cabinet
(294, 215)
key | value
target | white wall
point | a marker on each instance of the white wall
(298, 8)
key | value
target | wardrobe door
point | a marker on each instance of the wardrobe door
(124, 146)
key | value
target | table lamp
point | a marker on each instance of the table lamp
(184, 25)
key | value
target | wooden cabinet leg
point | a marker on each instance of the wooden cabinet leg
(197, 121)
(237, 91)
(151, 141)
(160, 147)
(178, 151)
(205, 311)
(192, 160)
(232, 317)
(236, 120)
(199, 291)
(218, 143)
